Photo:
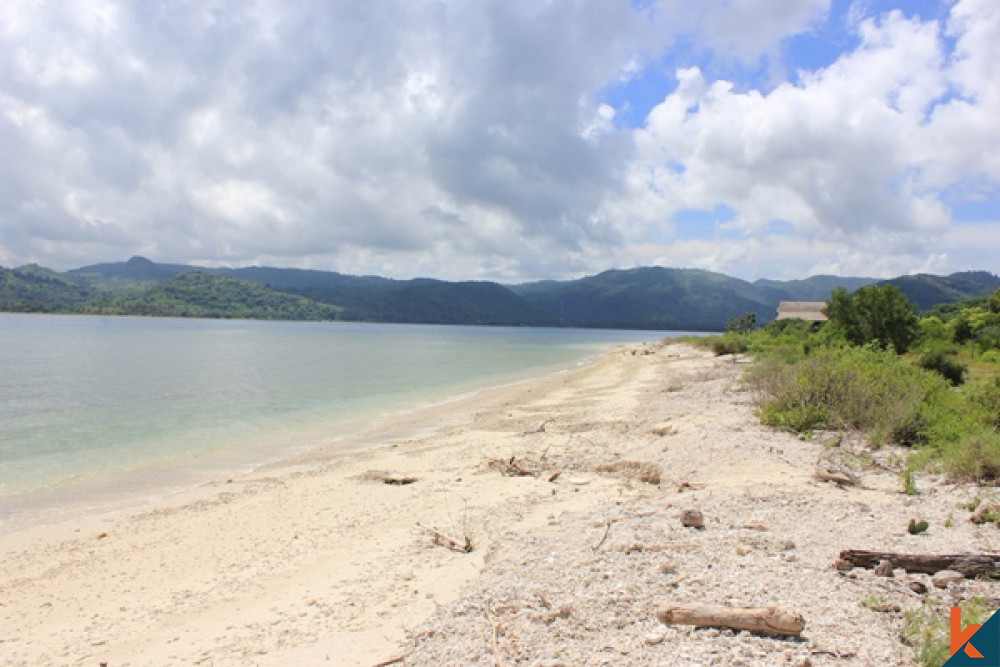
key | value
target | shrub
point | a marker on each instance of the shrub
(731, 343)
(976, 456)
(850, 388)
(990, 357)
(939, 361)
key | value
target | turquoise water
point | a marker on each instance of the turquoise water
(113, 403)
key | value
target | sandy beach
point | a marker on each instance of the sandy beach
(568, 489)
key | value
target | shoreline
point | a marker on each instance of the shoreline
(322, 559)
(152, 483)
(297, 533)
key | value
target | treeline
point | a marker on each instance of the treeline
(931, 383)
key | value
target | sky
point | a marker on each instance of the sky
(503, 140)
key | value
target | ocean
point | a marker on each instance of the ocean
(96, 408)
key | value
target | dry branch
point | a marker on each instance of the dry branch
(773, 621)
(607, 529)
(838, 477)
(461, 545)
(971, 565)
(511, 467)
(496, 643)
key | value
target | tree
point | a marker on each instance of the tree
(877, 314)
(743, 324)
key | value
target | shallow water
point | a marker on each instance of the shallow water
(117, 403)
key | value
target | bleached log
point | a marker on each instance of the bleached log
(774, 621)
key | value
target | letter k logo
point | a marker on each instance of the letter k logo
(959, 637)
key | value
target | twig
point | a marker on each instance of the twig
(607, 529)
(496, 644)
(393, 661)
(455, 544)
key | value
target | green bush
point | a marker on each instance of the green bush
(858, 388)
(730, 343)
(990, 357)
(976, 456)
(940, 361)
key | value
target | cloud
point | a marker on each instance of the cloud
(859, 155)
(467, 140)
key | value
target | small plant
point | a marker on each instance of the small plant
(909, 484)
(950, 521)
(916, 527)
(928, 629)
(874, 602)
(974, 504)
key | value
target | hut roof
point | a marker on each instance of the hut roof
(810, 311)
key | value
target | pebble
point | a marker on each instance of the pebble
(945, 577)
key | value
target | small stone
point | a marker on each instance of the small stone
(668, 567)
(664, 429)
(945, 577)
(884, 568)
(918, 587)
(742, 550)
(787, 545)
(843, 565)
(692, 519)
(655, 637)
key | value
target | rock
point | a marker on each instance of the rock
(655, 637)
(692, 519)
(664, 429)
(842, 565)
(884, 568)
(918, 587)
(985, 513)
(742, 550)
(943, 578)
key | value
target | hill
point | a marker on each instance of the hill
(199, 294)
(641, 298)
(926, 290)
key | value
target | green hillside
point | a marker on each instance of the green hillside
(642, 298)
(926, 290)
(33, 289)
(199, 294)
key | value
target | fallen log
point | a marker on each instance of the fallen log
(971, 565)
(773, 621)
(838, 477)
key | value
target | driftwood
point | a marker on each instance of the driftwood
(836, 476)
(461, 545)
(773, 621)
(511, 467)
(971, 565)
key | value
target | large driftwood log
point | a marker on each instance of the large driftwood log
(762, 620)
(971, 565)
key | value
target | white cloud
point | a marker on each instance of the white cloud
(854, 156)
(465, 140)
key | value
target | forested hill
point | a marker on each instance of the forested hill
(644, 298)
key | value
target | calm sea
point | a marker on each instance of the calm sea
(95, 407)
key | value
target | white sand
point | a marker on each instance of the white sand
(318, 561)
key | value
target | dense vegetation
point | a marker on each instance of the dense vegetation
(931, 383)
(643, 298)
(196, 294)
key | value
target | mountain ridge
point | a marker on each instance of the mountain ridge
(640, 298)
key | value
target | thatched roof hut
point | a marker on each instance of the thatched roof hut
(810, 311)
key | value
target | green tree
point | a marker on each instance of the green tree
(743, 324)
(877, 314)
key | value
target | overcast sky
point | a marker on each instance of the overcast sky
(503, 139)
